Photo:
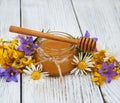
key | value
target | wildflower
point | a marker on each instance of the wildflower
(83, 64)
(35, 74)
(107, 71)
(2, 70)
(11, 75)
(27, 45)
(98, 78)
(87, 35)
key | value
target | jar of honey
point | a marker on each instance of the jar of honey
(54, 54)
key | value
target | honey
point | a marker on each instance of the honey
(52, 53)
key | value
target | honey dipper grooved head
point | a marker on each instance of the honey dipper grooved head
(86, 44)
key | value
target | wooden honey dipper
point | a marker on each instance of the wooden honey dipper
(84, 44)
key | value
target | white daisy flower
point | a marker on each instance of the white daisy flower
(83, 63)
(35, 74)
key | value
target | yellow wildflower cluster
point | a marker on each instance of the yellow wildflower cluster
(98, 58)
(10, 56)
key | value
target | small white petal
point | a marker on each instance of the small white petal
(87, 60)
(33, 67)
(41, 66)
(81, 72)
(85, 72)
(77, 71)
(27, 72)
(73, 63)
(38, 67)
(45, 74)
(29, 69)
(73, 71)
(80, 56)
(76, 59)
(85, 56)
(90, 66)
(88, 69)
(90, 63)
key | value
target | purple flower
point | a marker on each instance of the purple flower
(27, 45)
(107, 71)
(11, 75)
(87, 35)
(2, 70)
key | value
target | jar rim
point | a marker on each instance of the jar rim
(63, 34)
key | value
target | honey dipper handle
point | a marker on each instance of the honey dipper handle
(29, 32)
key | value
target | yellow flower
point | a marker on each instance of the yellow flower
(111, 59)
(98, 79)
(99, 56)
(9, 56)
(18, 54)
(1, 51)
(14, 43)
(21, 63)
(117, 70)
(18, 64)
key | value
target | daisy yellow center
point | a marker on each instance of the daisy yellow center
(82, 65)
(35, 75)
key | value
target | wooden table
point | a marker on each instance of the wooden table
(100, 17)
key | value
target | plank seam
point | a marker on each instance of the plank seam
(102, 95)
(76, 17)
(20, 74)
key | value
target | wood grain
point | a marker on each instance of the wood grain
(102, 18)
(9, 14)
(56, 15)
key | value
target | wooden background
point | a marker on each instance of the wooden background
(100, 17)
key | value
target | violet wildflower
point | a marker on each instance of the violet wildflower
(87, 35)
(27, 45)
(107, 71)
(11, 75)
(2, 70)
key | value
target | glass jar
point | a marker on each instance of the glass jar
(55, 56)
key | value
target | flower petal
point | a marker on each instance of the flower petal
(77, 71)
(108, 79)
(73, 71)
(88, 69)
(30, 39)
(14, 78)
(8, 79)
(33, 67)
(87, 34)
(96, 39)
(27, 71)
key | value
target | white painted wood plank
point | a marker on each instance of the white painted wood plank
(56, 15)
(49, 14)
(9, 14)
(102, 18)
